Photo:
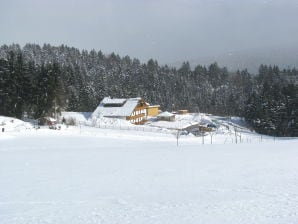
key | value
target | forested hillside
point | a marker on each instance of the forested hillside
(36, 80)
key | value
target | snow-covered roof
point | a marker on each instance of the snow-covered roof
(50, 119)
(109, 107)
(165, 114)
(108, 100)
(153, 106)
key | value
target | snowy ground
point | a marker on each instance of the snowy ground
(90, 175)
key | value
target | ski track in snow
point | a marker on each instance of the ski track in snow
(96, 176)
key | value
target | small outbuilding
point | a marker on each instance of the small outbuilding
(166, 116)
(182, 111)
(47, 121)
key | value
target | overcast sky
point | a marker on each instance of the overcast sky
(167, 30)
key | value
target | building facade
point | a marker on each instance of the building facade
(134, 110)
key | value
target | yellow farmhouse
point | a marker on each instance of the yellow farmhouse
(134, 110)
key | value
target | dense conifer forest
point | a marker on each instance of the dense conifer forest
(36, 80)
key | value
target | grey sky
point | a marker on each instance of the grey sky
(167, 30)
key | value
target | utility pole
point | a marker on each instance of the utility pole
(177, 136)
(55, 109)
(235, 129)
(261, 137)
(211, 135)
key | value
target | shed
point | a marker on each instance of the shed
(47, 121)
(182, 111)
(166, 116)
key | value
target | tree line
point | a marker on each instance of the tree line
(37, 80)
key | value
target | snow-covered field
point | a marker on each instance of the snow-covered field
(90, 175)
